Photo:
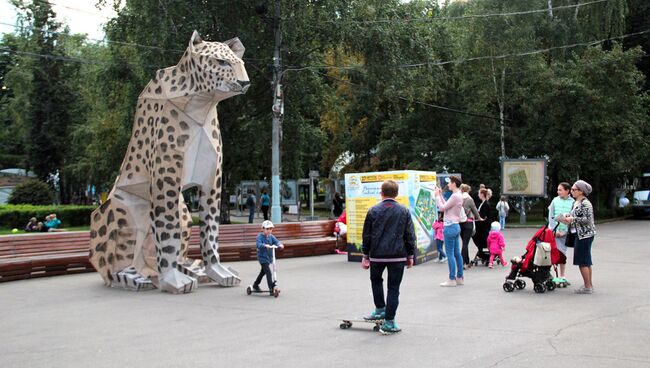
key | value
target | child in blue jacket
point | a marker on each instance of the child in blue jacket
(265, 240)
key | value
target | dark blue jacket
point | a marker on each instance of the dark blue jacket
(264, 254)
(388, 234)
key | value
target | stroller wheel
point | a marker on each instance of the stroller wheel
(520, 284)
(508, 287)
(550, 285)
(539, 288)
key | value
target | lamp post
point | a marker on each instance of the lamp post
(277, 111)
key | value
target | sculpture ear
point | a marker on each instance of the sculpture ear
(236, 46)
(195, 39)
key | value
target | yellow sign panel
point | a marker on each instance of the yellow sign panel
(426, 178)
(381, 177)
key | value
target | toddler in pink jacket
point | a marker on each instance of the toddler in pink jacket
(496, 243)
(439, 237)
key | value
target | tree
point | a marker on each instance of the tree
(42, 98)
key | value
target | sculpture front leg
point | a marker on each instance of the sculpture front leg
(210, 201)
(166, 227)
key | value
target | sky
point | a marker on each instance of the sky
(80, 15)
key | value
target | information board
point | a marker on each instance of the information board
(416, 192)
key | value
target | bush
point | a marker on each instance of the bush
(17, 216)
(33, 192)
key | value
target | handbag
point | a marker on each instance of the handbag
(570, 239)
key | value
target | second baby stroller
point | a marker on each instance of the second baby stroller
(541, 253)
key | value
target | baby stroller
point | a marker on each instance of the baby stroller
(541, 254)
(483, 257)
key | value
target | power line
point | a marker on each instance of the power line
(71, 8)
(460, 61)
(489, 15)
(94, 39)
(106, 41)
(70, 59)
(439, 107)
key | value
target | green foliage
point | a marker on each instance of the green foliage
(360, 77)
(33, 192)
(17, 216)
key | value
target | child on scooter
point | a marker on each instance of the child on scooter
(265, 240)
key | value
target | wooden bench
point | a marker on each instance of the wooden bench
(48, 254)
(43, 254)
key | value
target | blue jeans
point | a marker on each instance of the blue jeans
(441, 250)
(395, 273)
(452, 246)
(502, 222)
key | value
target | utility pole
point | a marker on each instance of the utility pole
(278, 110)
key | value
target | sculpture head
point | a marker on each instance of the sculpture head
(215, 67)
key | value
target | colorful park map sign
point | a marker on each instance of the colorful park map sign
(416, 192)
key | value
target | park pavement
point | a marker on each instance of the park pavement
(74, 321)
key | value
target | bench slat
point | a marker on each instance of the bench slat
(48, 254)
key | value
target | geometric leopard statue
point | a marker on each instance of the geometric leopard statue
(140, 235)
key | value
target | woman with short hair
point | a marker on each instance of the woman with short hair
(581, 220)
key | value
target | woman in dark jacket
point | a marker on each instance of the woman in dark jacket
(483, 227)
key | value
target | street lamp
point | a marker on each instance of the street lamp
(277, 110)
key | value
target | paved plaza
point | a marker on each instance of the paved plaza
(74, 321)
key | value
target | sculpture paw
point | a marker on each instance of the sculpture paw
(176, 282)
(222, 275)
(130, 279)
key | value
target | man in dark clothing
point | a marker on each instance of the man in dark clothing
(388, 243)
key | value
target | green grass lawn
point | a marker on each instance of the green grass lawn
(20, 231)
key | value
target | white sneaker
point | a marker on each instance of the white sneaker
(444, 260)
(448, 283)
(460, 281)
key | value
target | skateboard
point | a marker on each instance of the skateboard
(249, 291)
(347, 323)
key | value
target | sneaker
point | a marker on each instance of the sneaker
(256, 289)
(390, 326)
(460, 281)
(504, 264)
(448, 283)
(490, 266)
(377, 314)
(584, 290)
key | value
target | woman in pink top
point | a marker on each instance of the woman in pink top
(451, 231)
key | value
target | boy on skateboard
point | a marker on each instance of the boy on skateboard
(265, 240)
(388, 243)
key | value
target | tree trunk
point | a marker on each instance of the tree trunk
(500, 95)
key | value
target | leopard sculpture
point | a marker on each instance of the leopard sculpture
(140, 235)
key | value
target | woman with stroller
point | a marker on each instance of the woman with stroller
(581, 220)
(560, 205)
(482, 227)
